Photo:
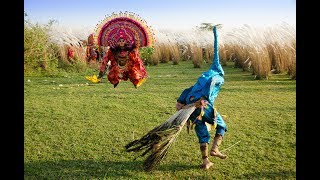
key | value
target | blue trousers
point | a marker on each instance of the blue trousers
(202, 131)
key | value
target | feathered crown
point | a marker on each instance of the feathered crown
(128, 26)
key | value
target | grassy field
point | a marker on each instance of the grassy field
(76, 130)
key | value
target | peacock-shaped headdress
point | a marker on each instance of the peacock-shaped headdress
(128, 26)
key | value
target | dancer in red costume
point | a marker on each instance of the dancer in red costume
(124, 34)
(125, 63)
(70, 54)
(90, 51)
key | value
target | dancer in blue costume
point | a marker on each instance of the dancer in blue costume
(206, 90)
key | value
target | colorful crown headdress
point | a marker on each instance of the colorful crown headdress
(128, 26)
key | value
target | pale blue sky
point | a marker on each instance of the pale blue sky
(163, 14)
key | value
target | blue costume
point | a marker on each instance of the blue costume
(207, 87)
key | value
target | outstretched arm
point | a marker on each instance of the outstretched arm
(216, 66)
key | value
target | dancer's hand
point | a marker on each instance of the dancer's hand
(179, 106)
(218, 26)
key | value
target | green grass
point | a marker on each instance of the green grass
(74, 130)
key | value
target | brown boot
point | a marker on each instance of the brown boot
(204, 152)
(215, 151)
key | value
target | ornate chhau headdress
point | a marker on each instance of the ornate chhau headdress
(127, 26)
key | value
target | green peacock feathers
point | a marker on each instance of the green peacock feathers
(158, 141)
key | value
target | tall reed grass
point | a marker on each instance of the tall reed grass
(39, 54)
(262, 51)
(45, 50)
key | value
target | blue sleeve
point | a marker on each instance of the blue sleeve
(215, 86)
(184, 94)
(216, 66)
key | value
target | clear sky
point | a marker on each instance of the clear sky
(165, 14)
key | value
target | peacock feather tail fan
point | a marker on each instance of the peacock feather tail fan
(158, 141)
(132, 25)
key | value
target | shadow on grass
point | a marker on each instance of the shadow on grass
(269, 175)
(176, 167)
(81, 169)
(84, 169)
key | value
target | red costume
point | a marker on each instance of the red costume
(125, 64)
(90, 51)
(124, 34)
(70, 54)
